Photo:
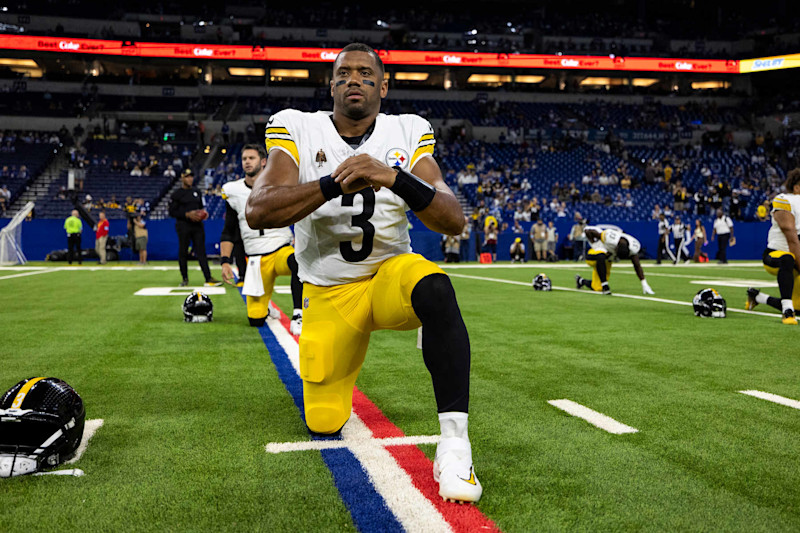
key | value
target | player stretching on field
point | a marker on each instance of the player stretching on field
(345, 180)
(605, 246)
(782, 256)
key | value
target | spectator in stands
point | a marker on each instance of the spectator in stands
(723, 228)
(517, 251)
(596, 197)
(112, 204)
(628, 201)
(656, 213)
(101, 236)
(136, 171)
(170, 172)
(73, 227)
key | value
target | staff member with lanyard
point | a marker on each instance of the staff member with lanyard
(186, 207)
(74, 227)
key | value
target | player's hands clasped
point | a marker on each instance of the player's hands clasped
(361, 171)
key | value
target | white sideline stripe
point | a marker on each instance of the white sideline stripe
(281, 447)
(593, 417)
(89, 429)
(615, 294)
(412, 509)
(772, 398)
(29, 273)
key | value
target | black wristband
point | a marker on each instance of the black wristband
(330, 189)
(224, 260)
(417, 193)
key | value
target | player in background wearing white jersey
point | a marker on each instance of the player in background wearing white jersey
(269, 252)
(345, 180)
(782, 256)
(605, 246)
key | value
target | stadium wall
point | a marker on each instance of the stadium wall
(42, 236)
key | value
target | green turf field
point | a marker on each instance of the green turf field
(188, 408)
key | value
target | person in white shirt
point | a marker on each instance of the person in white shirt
(680, 237)
(607, 245)
(723, 228)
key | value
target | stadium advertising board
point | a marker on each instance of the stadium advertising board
(770, 63)
(394, 57)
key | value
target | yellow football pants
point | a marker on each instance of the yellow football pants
(337, 322)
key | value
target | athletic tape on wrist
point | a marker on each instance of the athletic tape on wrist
(330, 189)
(417, 193)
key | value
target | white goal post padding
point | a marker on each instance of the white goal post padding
(11, 238)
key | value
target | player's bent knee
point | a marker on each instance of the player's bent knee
(433, 294)
(326, 417)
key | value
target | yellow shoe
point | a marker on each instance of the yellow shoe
(789, 318)
(240, 284)
(751, 302)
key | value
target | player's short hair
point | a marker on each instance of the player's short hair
(262, 152)
(361, 47)
(792, 179)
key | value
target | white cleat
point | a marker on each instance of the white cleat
(296, 325)
(453, 470)
(272, 312)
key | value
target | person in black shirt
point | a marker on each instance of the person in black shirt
(186, 207)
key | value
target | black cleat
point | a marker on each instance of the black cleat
(751, 302)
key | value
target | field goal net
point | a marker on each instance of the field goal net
(11, 238)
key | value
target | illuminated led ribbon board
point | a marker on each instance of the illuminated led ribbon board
(394, 57)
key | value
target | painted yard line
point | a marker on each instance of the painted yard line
(358, 489)
(48, 271)
(413, 510)
(596, 419)
(22, 267)
(616, 294)
(280, 447)
(772, 398)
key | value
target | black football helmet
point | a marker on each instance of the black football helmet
(709, 303)
(197, 308)
(542, 283)
(41, 425)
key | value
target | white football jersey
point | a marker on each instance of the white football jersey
(776, 240)
(348, 238)
(256, 242)
(611, 237)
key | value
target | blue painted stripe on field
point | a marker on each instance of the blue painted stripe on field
(367, 507)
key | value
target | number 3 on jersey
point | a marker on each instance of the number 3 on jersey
(361, 221)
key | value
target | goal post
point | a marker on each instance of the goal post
(11, 238)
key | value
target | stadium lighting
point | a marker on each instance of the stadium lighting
(529, 79)
(489, 79)
(242, 71)
(644, 82)
(277, 74)
(411, 76)
(698, 85)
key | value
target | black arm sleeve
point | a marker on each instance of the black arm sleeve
(174, 207)
(230, 231)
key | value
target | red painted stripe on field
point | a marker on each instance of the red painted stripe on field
(373, 417)
(462, 517)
